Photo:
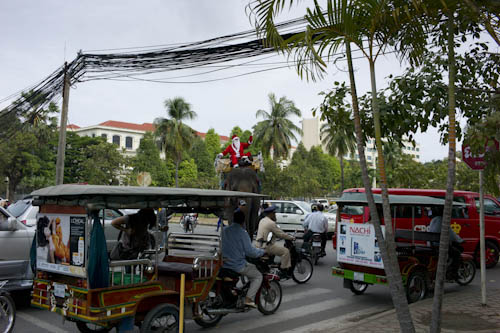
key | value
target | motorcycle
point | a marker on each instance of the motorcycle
(7, 310)
(228, 295)
(188, 222)
(302, 267)
(313, 248)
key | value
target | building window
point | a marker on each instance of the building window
(128, 142)
(116, 140)
(104, 136)
(418, 149)
(369, 158)
(93, 135)
(418, 156)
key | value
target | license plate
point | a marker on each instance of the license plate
(316, 244)
(359, 276)
(59, 290)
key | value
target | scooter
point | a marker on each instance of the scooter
(313, 248)
(188, 222)
(229, 292)
(302, 267)
(7, 309)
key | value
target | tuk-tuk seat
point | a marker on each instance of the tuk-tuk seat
(175, 269)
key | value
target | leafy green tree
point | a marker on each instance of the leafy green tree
(104, 165)
(188, 173)
(204, 162)
(338, 131)
(27, 155)
(237, 131)
(328, 170)
(277, 131)
(148, 159)
(175, 137)
(212, 140)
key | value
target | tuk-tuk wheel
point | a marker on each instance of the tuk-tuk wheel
(164, 318)
(90, 328)
(357, 287)
(416, 287)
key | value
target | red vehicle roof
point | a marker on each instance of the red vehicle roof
(411, 191)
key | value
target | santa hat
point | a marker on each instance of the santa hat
(234, 136)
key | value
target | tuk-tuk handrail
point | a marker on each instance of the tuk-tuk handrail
(116, 263)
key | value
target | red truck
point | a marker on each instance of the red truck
(464, 221)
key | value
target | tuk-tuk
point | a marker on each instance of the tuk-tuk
(83, 285)
(358, 253)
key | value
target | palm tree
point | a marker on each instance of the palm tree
(340, 140)
(276, 131)
(174, 136)
(372, 25)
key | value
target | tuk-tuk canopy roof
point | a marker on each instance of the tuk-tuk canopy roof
(101, 196)
(360, 198)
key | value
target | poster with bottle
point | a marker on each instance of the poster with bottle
(357, 244)
(61, 243)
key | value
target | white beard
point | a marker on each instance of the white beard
(236, 147)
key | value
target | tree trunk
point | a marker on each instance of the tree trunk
(176, 173)
(388, 245)
(445, 226)
(341, 174)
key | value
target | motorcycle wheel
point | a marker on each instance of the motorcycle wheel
(357, 288)
(7, 313)
(466, 272)
(206, 320)
(164, 318)
(269, 297)
(416, 287)
(302, 271)
(89, 328)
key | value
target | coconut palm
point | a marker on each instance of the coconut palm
(340, 140)
(372, 25)
(277, 131)
(174, 136)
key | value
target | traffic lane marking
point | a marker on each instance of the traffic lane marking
(40, 323)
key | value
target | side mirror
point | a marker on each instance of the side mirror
(299, 212)
(12, 222)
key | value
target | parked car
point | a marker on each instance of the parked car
(15, 244)
(291, 214)
(24, 211)
(324, 202)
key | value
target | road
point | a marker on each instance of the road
(320, 303)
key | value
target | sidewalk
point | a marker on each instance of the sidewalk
(462, 312)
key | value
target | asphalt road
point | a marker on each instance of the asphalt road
(320, 303)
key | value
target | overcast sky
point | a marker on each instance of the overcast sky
(38, 36)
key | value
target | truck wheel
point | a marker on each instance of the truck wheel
(357, 287)
(416, 287)
(491, 254)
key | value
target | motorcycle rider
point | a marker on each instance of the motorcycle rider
(236, 245)
(455, 249)
(316, 222)
(268, 225)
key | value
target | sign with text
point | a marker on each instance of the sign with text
(476, 161)
(357, 244)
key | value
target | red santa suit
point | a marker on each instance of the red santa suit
(236, 149)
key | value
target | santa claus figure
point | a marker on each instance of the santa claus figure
(236, 150)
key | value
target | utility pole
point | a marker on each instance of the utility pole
(61, 149)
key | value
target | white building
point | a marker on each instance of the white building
(127, 136)
(311, 137)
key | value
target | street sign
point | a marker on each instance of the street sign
(475, 162)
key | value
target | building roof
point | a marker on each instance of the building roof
(72, 127)
(147, 127)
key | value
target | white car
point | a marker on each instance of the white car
(24, 211)
(324, 202)
(291, 214)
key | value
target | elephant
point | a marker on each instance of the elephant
(244, 179)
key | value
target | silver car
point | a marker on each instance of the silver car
(15, 244)
(24, 211)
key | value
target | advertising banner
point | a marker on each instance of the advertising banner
(61, 243)
(357, 244)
